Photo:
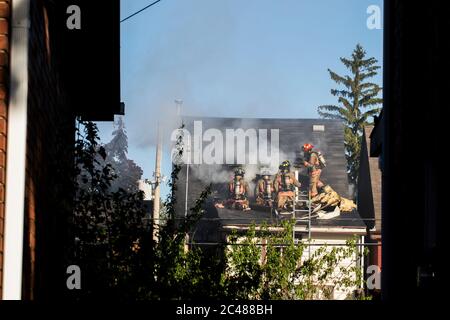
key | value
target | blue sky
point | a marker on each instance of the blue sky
(233, 58)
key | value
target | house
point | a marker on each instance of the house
(49, 75)
(369, 196)
(218, 145)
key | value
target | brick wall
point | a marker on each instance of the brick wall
(49, 139)
(4, 71)
(50, 131)
(49, 153)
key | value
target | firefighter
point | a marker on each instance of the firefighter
(284, 185)
(238, 191)
(264, 190)
(314, 162)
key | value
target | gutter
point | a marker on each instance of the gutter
(16, 152)
(333, 230)
(314, 230)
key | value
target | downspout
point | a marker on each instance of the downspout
(16, 152)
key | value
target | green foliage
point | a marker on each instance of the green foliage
(358, 101)
(114, 247)
(119, 260)
(108, 236)
(285, 271)
(181, 272)
(126, 171)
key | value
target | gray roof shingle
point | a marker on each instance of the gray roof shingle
(293, 133)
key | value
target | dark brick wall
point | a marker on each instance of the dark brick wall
(50, 132)
(4, 71)
(50, 140)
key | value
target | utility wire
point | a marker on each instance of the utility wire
(139, 11)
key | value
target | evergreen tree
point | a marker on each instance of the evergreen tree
(358, 101)
(127, 171)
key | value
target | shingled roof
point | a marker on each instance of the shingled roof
(326, 135)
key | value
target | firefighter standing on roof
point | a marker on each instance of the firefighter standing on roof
(284, 185)
(314, 162)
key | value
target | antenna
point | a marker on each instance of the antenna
(156, 200)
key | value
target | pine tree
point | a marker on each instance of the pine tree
(358, 101)
(127, 171)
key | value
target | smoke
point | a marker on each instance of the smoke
(221, 175)
(178, 61)
(320, 143)
(194, 52)
(269, 154)
(212, 173)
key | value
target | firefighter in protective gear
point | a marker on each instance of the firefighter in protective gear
(284, 185)
(314, 162)
(238, 191)
(264, 190)
(328, 198)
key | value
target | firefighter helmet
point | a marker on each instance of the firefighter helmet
(285, 165)
(307, 147)
(239, 172)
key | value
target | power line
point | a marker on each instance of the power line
(139, 11)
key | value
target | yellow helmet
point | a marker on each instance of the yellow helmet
(285, 165)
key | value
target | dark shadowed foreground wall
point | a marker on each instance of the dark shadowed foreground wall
(49, 139)
(416, 86)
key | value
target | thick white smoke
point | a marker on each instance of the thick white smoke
(211, 173)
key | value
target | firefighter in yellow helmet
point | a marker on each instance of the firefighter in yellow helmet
(284, 184)
(314, 162)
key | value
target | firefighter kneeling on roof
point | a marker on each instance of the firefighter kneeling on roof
(284, 185)
(238, 192)
(264, 190)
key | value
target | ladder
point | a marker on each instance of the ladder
(302, 215)
(302, 200)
